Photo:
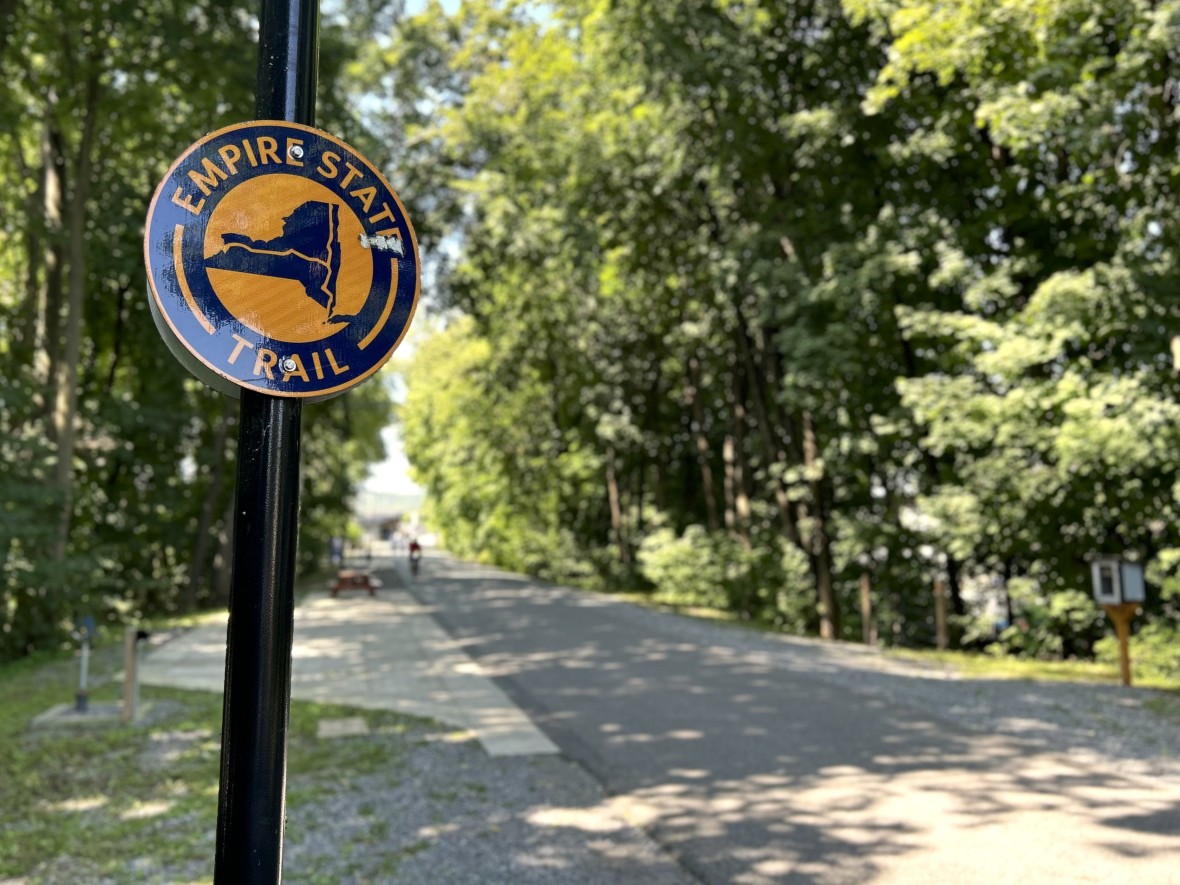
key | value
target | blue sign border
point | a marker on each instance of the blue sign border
(192, 314)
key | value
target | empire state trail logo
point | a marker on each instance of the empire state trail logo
(310, 254)
(280, 260)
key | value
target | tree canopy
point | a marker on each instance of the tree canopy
(758, 299)
(751, 304)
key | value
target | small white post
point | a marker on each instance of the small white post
(83, 698)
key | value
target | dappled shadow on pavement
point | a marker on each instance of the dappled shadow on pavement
(379, 652)
(797, 768)
(387, 653)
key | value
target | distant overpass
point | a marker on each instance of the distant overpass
(376, 509)
(368, 504)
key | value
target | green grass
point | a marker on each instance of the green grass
(138, 803)
(98, 797)
(971, 665)
(983, 666)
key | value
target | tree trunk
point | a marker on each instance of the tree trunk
(941, 638)
(640, 491)
(617, 525)
(868, 623)
(223, 560)
(47, 329)
(661, 480)
(821, 547)
(741, 492)
(704, 450)
(117, 351)
(727, 485)
(955, 586)
(204, 538)
(66, 395)
(737, 502)
(29, 316)
(772, 453)
(1007, 576)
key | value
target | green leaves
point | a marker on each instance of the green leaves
(887, 285)
(96, 104)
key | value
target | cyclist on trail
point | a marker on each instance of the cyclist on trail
(415, 555)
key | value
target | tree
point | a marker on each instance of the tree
(116, 463)
(858, 282)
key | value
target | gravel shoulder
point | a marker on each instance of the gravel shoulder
(449, 813)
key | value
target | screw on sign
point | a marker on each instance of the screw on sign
(280, 260)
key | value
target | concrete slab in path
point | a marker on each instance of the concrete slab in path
(381, 653)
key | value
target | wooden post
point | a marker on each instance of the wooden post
(940, 630)
(130, 674)
(868, 627)
(1122, 615)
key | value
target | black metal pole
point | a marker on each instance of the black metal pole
(252, 800)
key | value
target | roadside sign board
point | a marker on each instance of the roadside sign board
(279, 260)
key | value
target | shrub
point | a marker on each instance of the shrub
(685, 570)
(1062, 624)
(769, 582)
(1155, 650)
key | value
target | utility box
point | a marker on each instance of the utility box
(1116, 581)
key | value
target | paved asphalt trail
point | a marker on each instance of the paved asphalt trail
(752, 773)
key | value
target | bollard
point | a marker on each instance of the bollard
(83, 630)
(132, 636)
(82, 700)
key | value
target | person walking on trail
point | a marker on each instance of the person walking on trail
(415, 555)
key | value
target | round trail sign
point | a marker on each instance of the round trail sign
(280, 260)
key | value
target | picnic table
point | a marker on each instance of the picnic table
(354, 579)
